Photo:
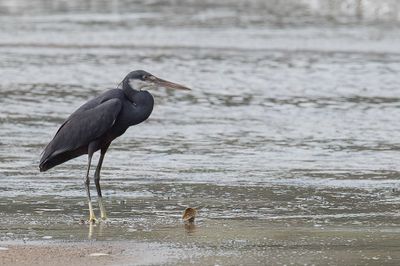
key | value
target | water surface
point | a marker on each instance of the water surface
(288, 142)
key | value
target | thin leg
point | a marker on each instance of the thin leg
(97, 182)
(92, 218)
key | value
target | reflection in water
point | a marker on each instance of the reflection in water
(190, 228)
(96, 230)
(90, 234)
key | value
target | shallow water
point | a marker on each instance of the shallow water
(288, 142)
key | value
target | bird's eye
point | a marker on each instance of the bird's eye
(144, 77)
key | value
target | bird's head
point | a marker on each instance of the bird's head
(140, 79)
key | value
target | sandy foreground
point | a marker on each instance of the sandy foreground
(82, 253)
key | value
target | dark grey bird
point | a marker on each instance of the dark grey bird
(94, 125)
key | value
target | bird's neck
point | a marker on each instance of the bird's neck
(128, 90)
(144, 103)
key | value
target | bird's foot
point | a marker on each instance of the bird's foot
(92, 219)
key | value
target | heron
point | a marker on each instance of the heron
(94, 125)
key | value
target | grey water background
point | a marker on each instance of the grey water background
(288, 142)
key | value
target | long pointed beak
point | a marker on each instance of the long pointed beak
(168, 84)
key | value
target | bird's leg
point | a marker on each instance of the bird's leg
(97, 182)
(92, 217)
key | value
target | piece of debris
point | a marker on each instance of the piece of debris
(189, 214)
(98, 254)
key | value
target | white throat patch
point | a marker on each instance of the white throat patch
(138, 84)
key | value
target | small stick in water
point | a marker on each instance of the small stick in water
(189, 214)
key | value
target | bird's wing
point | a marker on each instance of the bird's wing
(84, 127)
(105, 96)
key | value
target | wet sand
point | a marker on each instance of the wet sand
(43, 253)
(212, 243)
(83, 253)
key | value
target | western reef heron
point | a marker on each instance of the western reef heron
(95, 124)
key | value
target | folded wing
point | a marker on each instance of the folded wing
(78, 131)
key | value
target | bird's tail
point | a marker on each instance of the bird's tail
(49, 161)
(43, 167)
(44, 162)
